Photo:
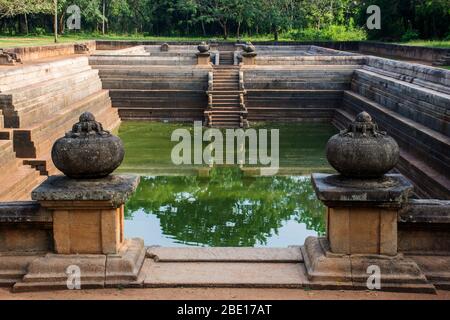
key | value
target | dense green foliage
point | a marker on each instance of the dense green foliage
(295, 19)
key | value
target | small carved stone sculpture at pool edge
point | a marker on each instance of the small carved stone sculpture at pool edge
(88, 151)
(362, 151)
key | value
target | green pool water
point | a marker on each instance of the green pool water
(230, 206)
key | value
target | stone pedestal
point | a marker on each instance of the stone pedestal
(88, 234)
(362, 215)
(361, 232)
(87, 214)
(249, 58)
(203, 58)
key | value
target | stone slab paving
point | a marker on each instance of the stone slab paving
(257, 255)
(223, 274)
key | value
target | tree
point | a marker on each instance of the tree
(11, 8)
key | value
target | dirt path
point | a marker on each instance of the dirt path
(220, 294)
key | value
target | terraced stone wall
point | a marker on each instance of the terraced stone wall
(39, 103)
(145, 83)
(412, 103)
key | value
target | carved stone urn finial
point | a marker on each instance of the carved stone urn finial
(249, 47)
(88, 151)
(362, 151)
(164, 47)
(203, 47)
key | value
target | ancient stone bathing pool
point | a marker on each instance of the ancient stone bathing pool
(232, 206)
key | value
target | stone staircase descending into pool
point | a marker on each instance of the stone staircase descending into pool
(226, 107)
(38, 104)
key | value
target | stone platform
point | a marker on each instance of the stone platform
(199, 267)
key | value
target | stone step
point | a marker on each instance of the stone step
(226, 104)
(39, 134)
(45, 87)
(43, 147)
(38, 109)
(224, 81)
(17, 185)
(422, 105)
(26, 75)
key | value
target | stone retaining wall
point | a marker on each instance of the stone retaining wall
(296, 93)
(402, 51)
(156, 85)
(27, 54)
(424, 227)
(25, 227)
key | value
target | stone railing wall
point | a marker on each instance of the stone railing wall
(402, 51)
(424, 226)
(25, 227)
(40, 52)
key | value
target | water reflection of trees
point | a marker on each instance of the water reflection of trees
(227, 209)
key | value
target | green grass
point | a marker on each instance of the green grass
(429, 43)
(34, 40)
(39, 40)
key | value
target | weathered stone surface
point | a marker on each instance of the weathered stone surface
(14, 266)
(88, 151)
(362, 151)
(436, 269)
(211, 274)
(323, 267)
(280, 255)
(425, 211)
(203, 47)
(424, 227)
(25, 227)
(326, 270)
(334, 191)
(123, 268)
(23, 211)
(115, 189)
(51, 272)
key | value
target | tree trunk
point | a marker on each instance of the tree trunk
(55, 3)
(225, 32)
(203, 28)
(275, 34)
(104, 17)
(26, 23)
(62, 26)
(238, 31)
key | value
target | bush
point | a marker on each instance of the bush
(40, 31)
(410, 35)
(330, 33)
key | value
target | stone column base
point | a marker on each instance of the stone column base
(203, 59)
(249, 59)
(326, 270)
(96, 270)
